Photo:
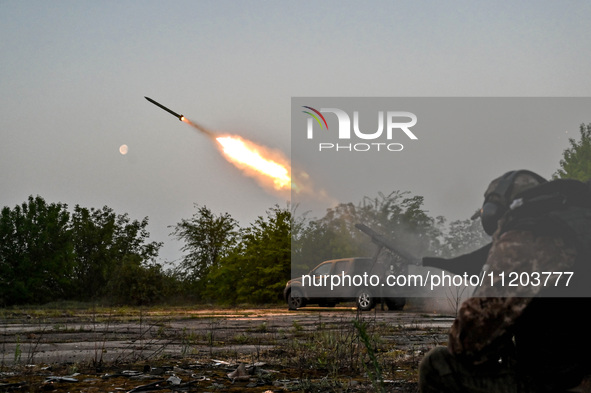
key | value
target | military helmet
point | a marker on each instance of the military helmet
(501, 192)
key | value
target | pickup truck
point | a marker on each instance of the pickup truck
(316, 288)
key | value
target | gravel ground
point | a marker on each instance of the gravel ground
(251, 350)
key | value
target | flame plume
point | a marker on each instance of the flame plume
(269, 167)
(253, 159)
(256, 161)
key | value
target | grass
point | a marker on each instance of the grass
(319, 350)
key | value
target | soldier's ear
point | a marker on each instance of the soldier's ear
(490, 215)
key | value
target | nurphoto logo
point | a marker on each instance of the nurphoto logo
(396, 124)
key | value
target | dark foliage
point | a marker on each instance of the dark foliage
(49, 254)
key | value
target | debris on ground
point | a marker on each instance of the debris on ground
(248, 351)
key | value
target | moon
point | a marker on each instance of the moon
(123, 149)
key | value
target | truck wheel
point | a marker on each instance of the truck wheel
(364, 300)
(295, 299)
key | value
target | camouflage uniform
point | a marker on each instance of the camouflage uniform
(516, 341)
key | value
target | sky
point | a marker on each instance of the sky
(73, 76)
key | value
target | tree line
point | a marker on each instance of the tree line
(49, 252)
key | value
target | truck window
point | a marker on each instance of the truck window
(322, 269)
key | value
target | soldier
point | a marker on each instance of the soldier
(525, 338)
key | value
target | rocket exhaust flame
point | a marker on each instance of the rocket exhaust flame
(247, 155)
(254, 160)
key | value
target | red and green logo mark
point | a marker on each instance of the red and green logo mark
(315, 115)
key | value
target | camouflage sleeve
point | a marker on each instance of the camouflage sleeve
(484, 325)
(482, 329)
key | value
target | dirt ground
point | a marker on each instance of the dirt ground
(203, 350)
